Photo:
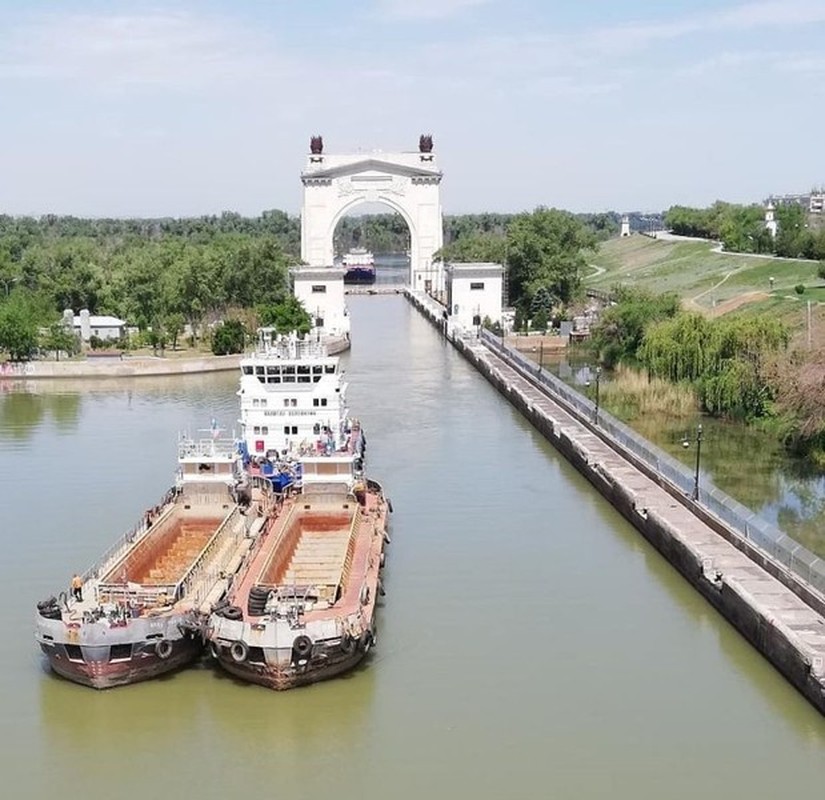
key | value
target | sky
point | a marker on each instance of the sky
(181, 108)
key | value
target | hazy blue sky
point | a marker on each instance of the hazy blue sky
(180, 108)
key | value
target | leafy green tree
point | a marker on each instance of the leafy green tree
(475, 247)
(228, 337)
(546, 249)
(18, 327)
(620, 330)
(58, 339)
(174, 325)
(287, 316)
(540, 321)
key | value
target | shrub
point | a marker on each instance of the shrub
(799, 288)
(228, 337)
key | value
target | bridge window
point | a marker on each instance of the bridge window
(247, 370)
(476, 285)
(319, 288)
(329, 369)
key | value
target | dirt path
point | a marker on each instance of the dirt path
(736, 302)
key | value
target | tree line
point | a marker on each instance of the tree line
(165, 275)
(741, 229)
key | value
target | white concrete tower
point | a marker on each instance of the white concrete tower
(770, 219)
(625, 226)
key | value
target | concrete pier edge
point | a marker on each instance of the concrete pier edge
(777, 613)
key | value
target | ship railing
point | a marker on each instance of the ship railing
(207, 448)
(158, 595)
(207, 569)
(111, 556)
(212, 561)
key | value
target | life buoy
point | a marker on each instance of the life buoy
(302, 646)
(348, 644)
(387, 539)
(163, 649)
(364, 596)
(62, 600)
(238, 651)
(214, 650)
(381, 588)
(389, 505)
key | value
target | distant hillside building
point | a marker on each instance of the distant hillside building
(625, 230)
(86, 325)
(813, 201)
(770, 219)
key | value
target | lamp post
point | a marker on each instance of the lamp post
(686, 443)
(598, 379)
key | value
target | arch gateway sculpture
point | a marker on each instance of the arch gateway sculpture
(407, 182)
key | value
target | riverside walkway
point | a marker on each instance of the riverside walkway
(788, 630)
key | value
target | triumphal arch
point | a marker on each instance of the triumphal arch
(407, 182)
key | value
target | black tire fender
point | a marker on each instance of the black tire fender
(302, 646)
(163, 649)
(238, 651)
(348, 644)
(365, 642)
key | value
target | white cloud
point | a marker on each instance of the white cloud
(426, 9)
(175, 50)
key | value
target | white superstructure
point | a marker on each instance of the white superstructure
(293, 398)
(358, 257)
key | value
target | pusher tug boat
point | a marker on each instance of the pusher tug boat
(303, 608)
(138, 614)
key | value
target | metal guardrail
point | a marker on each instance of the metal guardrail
(743, 521)
(115, 552)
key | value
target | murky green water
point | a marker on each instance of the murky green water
(746, 463)
(531, 644)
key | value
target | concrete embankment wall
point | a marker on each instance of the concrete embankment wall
(128, 367)
(125, 368)
(789, 632)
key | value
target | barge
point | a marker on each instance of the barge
(137, 613)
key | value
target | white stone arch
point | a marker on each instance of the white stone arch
(397, 207)
(409, 183)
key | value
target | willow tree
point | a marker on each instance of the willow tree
(676, 348)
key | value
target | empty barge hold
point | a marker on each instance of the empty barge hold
(303, 610)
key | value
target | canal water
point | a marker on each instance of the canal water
(789, 492)
(531, 644)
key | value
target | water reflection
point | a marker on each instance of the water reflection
(749, 465)
(21, 413)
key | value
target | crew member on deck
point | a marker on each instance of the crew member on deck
(77, 588)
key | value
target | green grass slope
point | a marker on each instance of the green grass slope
(702, 277)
